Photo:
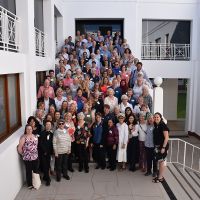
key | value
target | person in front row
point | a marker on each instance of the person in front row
(46, 149)
(82, 135)
(97, 142)
(123, 141)
(112, 139)
(28, 148)
(62, 148)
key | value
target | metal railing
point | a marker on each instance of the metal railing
(40, 40)
(184, 153)
(9, 31)
(155, 51)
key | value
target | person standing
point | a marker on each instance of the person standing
(123, 140)
(160, 137)
(28, 148)
(62, 148)
(46, 149)
(98, 142)
(112, 139)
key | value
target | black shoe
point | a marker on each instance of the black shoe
(103, 167)
(154, 174)
(71, 169)
(147, 173)
(112, 168)
(48, 183)
(80, 170)
(86, 170)
(97, 167)
(66, 177)
(108, 167)
(58, 179)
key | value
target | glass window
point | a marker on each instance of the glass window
(10, 116)
(3, 121)
(12, 99)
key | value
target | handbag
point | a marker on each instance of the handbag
(36, 180)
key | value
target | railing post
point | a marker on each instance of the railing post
(184, 156)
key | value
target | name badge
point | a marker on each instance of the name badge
(88, 115)
(98, 102)
(110, 131)
(48, 137)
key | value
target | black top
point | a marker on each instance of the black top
(158, 135)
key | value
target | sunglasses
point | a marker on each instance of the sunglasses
(61, 123)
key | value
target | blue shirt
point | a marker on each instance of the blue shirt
(98, 131)
(149, 137)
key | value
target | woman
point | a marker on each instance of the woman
(89, 114)
(124, 74)
(104, 86)
(28, 148)
(64, 108)
(98, 142)
(33, 122)
(133, 143)
(62, 148)
(82, 135)
(69, 124)
(149, 147)
(111, 100)
(112, 139)
(142, 135)
(128, 113)
(147, 97)
(80, 100)
(59, 99)
(123, 86)
(124, 104)
(123, 141)
(160, 137)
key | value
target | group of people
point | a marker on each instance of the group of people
(96, 105)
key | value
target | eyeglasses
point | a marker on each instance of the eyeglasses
(61, 123)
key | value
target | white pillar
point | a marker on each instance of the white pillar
(158, 96)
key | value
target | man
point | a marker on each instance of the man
(46, 150)
(47, 100)
(134, 74)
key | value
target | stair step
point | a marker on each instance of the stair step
(185, 181)
(174, 184)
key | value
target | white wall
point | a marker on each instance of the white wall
(26, 64)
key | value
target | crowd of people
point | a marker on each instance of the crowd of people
(95, 106)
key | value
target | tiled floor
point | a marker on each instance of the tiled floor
(98, 185)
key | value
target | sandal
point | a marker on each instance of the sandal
(158, 180)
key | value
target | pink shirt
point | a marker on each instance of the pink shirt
(67, 81)
(41, 90)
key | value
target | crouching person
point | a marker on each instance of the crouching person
(62, 148)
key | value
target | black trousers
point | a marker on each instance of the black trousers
(82, 156)
(45, 161)
(61, 165)
(111, 153)
(30, 166)
(71, 156)
(133, 152)
(150, 159)
(98, 155)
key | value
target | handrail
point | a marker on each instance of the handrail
(183, 153)
(164, 51)
(9, 31)
(40, 43)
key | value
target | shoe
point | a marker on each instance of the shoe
(80, 170)
(30, 187)
(147, 173)
(112, 169)
(154, 174)
(71, 169)
(86, 170)
(48, 183)
(66, 177)
(97, 167)
(58, 179)
(158, 180)
(108, 167)
(103, 168)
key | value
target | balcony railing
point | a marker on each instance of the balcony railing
(40, 40)
(184, 153)
(154, 51)
(9, 31)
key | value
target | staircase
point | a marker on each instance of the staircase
(182, 175)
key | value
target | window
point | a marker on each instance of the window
(10, 114)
